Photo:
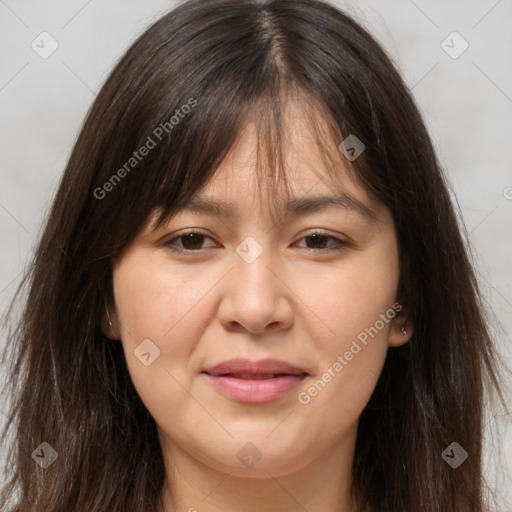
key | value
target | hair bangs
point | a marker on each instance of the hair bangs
(270, 116)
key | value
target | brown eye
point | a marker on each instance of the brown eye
(190, 241)
(318, 241)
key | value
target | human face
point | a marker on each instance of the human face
(277, 295)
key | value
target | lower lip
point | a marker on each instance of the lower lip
(255, 391)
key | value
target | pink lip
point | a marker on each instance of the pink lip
(255, 382)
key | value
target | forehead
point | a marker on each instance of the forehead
(289, 164)
(301, 183)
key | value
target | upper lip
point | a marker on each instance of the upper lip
(261, 367)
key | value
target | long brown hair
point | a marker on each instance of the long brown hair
(183, 91)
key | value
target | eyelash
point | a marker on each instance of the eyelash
(340, 244)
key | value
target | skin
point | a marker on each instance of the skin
(297, 302)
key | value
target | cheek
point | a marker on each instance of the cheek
(156, 304)
(357, 310)
(348, 367)
(152, 300)
(351, 298)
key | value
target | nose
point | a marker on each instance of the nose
(255, 297)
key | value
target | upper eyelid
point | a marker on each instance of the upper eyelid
(179, 234)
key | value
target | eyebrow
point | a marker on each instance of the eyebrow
(295, 207)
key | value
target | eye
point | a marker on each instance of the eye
(319, 240)
(192, 241)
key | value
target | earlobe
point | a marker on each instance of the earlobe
(109, 325)
(400, 333)
(401, 325)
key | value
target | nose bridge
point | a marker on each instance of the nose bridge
(252, 276)
(254, 297)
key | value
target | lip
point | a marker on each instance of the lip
(254, 382)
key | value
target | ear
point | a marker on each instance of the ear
(109, 325)
(401, 329)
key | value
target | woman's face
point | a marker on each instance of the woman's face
(250, 287)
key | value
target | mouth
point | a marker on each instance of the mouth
(256, 382)
(253, 376)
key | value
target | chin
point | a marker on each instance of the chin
(252, 460)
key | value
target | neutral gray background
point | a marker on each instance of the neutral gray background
(466, 101)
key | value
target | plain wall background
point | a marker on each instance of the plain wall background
(466, 102)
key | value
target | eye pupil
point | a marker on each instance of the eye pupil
(316, 239)
(192, 238)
